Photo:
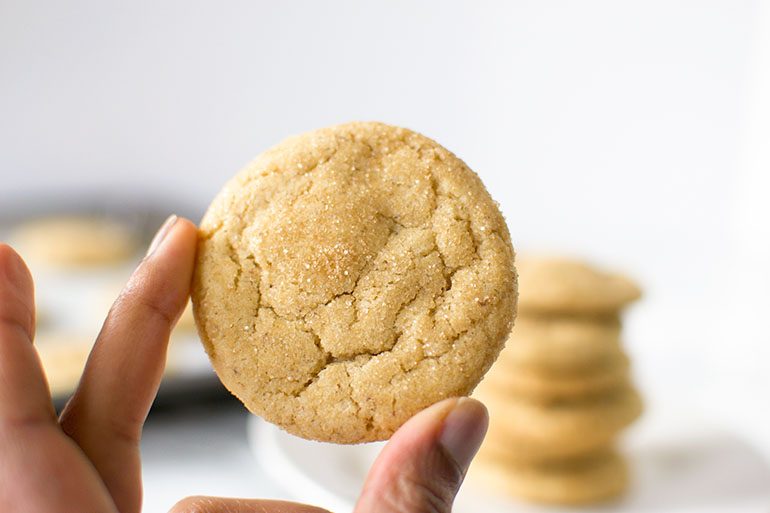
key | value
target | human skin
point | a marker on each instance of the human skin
(87, 459)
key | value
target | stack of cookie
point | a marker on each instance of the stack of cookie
(560, 392)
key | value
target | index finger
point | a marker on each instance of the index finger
(106, 414)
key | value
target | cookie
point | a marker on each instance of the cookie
(75, 241)
(63, 357)
(532, 431)
(499, 444)
(553, 285)
(536, 385)
(562, 343)
(351, 276)
(591, 479)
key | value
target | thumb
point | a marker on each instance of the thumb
(422, 466)
(203, 504)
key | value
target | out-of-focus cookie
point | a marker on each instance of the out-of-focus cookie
(75, 241)
(553, 285)
(591, 479)
(534, 384)
(63, 357)
(499, 444)
(186, 322)
(184, 349)
(351, 276)
(549, 429)
(562, 343)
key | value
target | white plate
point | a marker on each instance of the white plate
(677, 466)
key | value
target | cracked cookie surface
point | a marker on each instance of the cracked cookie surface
(351, 276)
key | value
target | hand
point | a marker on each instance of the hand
(87, 460)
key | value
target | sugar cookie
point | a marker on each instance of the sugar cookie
(351, 276)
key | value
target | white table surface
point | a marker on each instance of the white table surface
(201, 450)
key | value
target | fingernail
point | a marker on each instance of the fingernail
(162, 232)
(463, 430)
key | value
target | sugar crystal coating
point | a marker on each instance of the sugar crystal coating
(351, 276)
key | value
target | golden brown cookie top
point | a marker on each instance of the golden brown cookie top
(560, 285)
(351, 276)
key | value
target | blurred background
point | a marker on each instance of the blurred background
(632, 134)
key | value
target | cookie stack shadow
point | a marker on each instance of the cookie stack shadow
(560, 393)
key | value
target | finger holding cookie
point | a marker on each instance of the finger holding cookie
(107, 411)
(423, 465)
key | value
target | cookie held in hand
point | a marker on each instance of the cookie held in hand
(351, 276)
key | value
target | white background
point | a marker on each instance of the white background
(634, 134)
